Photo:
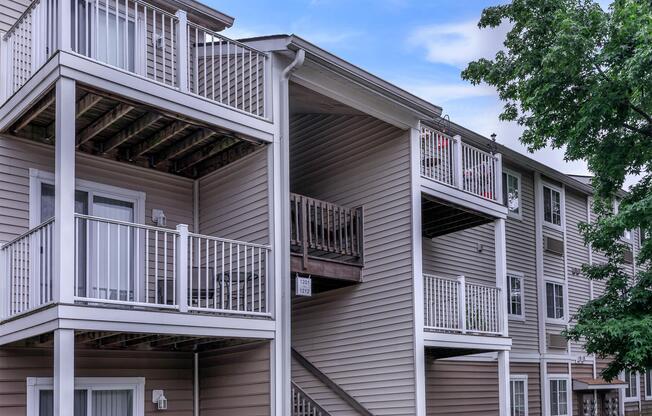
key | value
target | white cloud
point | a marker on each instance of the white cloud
(458, 43)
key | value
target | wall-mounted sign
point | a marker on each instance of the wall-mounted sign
(303, 286)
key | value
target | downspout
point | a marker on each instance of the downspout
(196, 384)
(283, 239)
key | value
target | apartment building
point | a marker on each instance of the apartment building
(196, 225)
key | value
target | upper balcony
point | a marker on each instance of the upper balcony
(460, 173)
(151, 42)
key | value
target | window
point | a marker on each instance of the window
(648, 384)
(512, 193)
(108, 396)
(559, 396)
(632, 387)
(627, 234)
(552, 206)
(555, 300)
(518, 401)
(515, 295)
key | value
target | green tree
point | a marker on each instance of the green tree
(578, 77)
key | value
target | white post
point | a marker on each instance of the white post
(64, 200)
(499, 179)
(500, 248)
(64, 26)
(182, 50)
(4, 285)
(459, 167)
(504, 383)
(4, 64)
(64, 372)
(182, 262)
(461, 301)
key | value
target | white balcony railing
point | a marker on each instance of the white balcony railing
(140, 38)
(133, 265)
(26, 263)
(453, 305)
(448, 160)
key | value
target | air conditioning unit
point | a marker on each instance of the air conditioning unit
(557, 341)
(629, 256)
(553, 245)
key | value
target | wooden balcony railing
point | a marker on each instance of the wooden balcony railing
(140, 38)
(448, 160)
(453, 305)
(320, 229)
(136, 265)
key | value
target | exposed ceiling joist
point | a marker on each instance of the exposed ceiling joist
(102, 123)
(35, 111)
(87, 102)
(184, 146)
(204, 153)
(158, 139)
(131, 131)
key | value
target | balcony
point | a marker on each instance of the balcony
(456, 306)
(141, 39)
(461, 173)
(326, 240)
(138, 267)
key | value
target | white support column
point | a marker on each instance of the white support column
(503, 383)
(182, 50)
(461, 302)
(64, 185)
(459, 160)
(182, 273)
(64, 372)
(4, 286)
(417, 272)
(499, 179)
(501, 270)
(64, 25)
(4, 64)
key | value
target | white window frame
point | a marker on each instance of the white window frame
(564, 286)
(630, 232)
(521, 277)
(519, 378)
(638, 388)
(39, 177)
(648, 384)
(136, 384)
(562, 210)
(567, 378)
(508, 173)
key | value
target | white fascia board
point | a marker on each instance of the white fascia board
(140, 89)
(463, 198)
(39, 84)
(435, 339)
(99, 319)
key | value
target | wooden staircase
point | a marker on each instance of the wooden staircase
(304, 405)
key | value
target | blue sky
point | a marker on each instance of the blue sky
(420, 45)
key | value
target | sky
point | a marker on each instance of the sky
(419, 45)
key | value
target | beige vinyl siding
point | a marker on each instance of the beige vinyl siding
(521, 258)
(461, 388)
(170, 193)
(361, 336)
(578, 255)
(233, 201)
(469, 252)
(171, 372)
(236, 381)
(319, 392)
(557, 368)
(10, 11)
(532, 371)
